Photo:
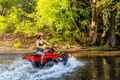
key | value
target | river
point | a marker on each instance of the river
(14, 68)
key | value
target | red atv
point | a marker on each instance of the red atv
(49, 58)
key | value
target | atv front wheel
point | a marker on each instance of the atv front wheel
(50, 63)
(37, 64)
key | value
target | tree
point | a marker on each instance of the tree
(111, 31)
(93, 26)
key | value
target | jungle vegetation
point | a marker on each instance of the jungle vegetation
(83, 22)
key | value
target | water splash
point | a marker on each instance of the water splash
(23, 70)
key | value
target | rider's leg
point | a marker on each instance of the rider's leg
(40, 51)
(42, 58)
(51, 50)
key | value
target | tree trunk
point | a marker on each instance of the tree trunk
(93, 26)
(2, 12)
(100, 26)
(111, 31)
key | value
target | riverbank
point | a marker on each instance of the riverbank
(4, 49)
(14, 47)
(18, 43)
(77, 52)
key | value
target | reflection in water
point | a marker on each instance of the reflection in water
(100, 68)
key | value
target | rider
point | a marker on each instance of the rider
(41, 45)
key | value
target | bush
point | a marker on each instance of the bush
(17, 44)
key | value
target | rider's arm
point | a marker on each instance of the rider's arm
(37, 44)
(45, 42)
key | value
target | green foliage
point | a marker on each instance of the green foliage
(66, 20)
(17, 44)
(2, 24)
(57, 15)
(53, 12)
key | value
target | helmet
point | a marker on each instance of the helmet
(39, 34)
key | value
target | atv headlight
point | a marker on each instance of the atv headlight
(60, 59)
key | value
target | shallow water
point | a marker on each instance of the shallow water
(80, 68)
(23, 70)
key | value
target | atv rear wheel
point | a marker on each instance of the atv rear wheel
(65, 58)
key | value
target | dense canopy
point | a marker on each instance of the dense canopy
(74, 21)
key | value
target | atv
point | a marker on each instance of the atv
(48, 59)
